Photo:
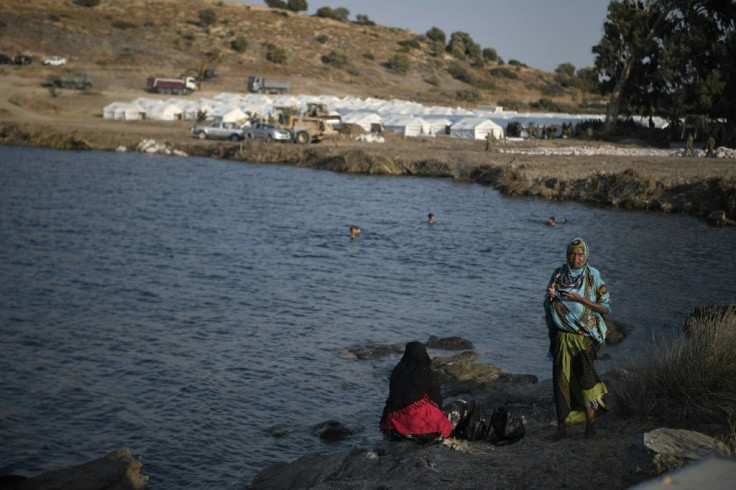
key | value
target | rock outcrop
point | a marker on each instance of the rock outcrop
(118, 470)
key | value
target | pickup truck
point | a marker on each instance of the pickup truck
(267, 132)
(219, 130)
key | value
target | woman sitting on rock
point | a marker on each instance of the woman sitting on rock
(413, 408)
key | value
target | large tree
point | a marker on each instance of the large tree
(672, 56)
(630, 36)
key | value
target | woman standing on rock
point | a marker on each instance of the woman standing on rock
(413, 408)
(577, 299)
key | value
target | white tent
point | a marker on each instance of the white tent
(438, 125)
(168, 111)
(123, 111)
(407, 126)
(235, 114)
(363, 119)
(475, 128)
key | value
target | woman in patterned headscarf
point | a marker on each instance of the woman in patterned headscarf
(576, 301)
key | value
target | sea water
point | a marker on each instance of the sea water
(195, 310)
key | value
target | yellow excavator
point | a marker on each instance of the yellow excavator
(206, 68)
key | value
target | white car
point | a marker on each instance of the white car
(267, 132)
(55, 61)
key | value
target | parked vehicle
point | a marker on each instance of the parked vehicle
(5, 59)
(309, 128)
(79, 81)
(161, 85)
(260, 85)
(54, 61)
(219, 130)
(22, 59)
(267, 132)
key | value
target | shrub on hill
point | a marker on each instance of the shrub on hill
(276, 54)
(468, 95)
(436, 34)
(239, 44)
(276, 4)
(399, 63)
(503, 72)
(207, 17)
(340, 13)
(87, 3)
(297, 5)
(363, 20)
(490, 54)
(338, 59)
(458, 71)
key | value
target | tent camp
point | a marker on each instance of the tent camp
(407, 126)
(363, 119)
(167, 111)
(475, 128)
(123, 111)
(439, 125)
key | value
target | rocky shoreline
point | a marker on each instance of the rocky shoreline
(625, 451)
(626, 177)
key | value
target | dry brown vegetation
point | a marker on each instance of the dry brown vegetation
(688, 381)
(120, 42)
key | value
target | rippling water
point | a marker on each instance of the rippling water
(182, 306)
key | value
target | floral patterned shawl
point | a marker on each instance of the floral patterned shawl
(571, 316)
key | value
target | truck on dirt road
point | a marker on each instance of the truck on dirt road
(177, 86)
(260, 85)
(79, 81)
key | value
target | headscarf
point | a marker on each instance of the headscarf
(571, 316)
(412, 379)
(415, 356)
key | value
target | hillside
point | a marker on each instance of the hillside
(120, 42)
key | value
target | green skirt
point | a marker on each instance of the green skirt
(575, 382)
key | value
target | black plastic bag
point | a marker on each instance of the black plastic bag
(473, 424)
(508, 427)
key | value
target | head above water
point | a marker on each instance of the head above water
(354, 231)
(577, 253)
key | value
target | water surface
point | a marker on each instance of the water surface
(182, 307)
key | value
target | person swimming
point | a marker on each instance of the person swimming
(551, 221)
(431, 219)
(354, 231)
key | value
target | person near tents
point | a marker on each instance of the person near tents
(689, 145)
(710, 146)
(576, 300)
(489, 141)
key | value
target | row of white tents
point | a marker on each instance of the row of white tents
(401, 117)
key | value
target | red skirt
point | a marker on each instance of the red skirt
(421, 417)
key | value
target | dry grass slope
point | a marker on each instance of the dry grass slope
(123, 41)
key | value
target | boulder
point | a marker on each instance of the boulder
(674, 448)
(118, 470)
(718, 218)
(448, 343)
